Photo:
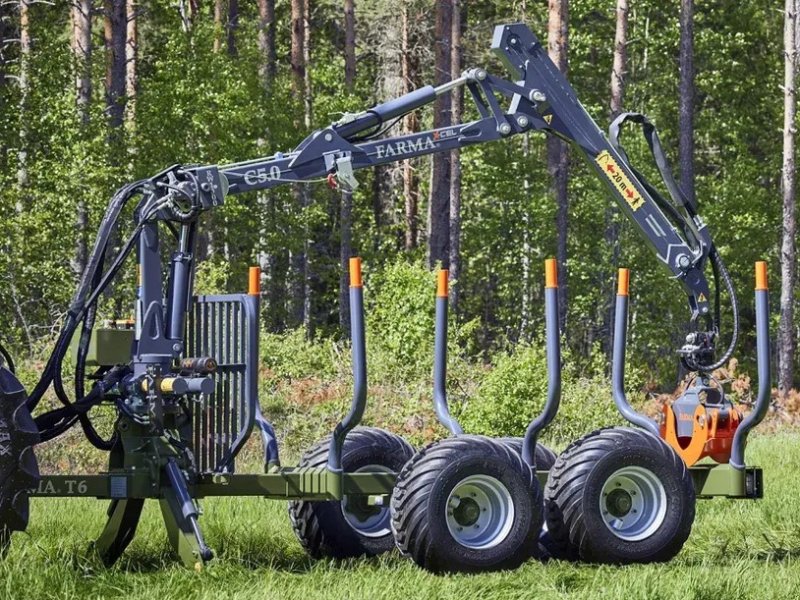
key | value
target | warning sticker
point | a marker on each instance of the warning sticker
(619, 179)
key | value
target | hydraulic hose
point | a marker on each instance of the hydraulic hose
(7, 357)
(721, 272)
(110, 219)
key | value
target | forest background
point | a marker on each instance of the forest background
(94, 94)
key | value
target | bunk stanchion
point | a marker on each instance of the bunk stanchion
(357, 340)
(269, 440)
(553, 348)
(764, 372)
(618, 359)
(440, 358)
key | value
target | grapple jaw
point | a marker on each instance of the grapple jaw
(19, 470)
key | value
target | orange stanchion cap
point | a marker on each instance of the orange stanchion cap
(355, 272)
(550, 273)
(623, 282)
(254, 281)
(442, 284)
(761, 275)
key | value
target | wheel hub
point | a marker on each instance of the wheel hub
(619, 502)
(467, 512)
(633, 503)
(367, 520)
(480, 512)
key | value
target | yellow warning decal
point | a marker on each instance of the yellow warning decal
(548, 119)
(701, 297)
(619, 179)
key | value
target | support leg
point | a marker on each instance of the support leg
(180, 517)
(123, 517)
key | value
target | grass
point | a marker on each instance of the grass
(738, 549)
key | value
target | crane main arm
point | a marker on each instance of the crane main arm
(541, 99)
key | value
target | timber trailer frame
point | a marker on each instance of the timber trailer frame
(183, 375)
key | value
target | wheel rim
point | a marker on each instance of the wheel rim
(480, 512)
(633, 503)
(369, 521)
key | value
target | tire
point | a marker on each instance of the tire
(619, 496)
(436, 533)
(19, 470)
(346, 528)
(544, 457)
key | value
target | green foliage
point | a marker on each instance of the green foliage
(291, 355)
(514, 392)
(198, 105)
(400, 307)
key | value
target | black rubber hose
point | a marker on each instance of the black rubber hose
(7, 357)
(79, 300)
(721, 271)
(88, 428)
(83, 344)
(55, 422)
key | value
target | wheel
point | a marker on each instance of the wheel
(545, 458)
(467, 504)
(619, 496)
(333, 529)
(19, 471)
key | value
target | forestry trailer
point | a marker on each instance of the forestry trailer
(182, 375)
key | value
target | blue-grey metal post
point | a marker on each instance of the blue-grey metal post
(440, 358)
(269, 440)
(764, 371)
(357, 339)
(553, 348)
(618, 360)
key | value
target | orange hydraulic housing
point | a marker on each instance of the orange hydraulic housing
(712, 432)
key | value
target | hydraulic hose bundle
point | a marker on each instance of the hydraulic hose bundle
(697, 355)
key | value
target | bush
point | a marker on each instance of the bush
(400, 307)
(514, 391)
(291, 355)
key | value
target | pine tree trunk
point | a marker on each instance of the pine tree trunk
(620, 67)
(308, 272)
(557, 156)
(24, 94)
(455, 158)
(686, 100)
(439, 201)
(273, 264)
(219, 11)
(4, 33)
(131, 58)
(409, 70)
(786, 337)
(618, 73)
(266, 41)
(81, 13)
(346, 199)
(115, 29)
(349, 43)
(297, 300)
(231, 27)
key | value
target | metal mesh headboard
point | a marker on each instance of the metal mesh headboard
(224, 328)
